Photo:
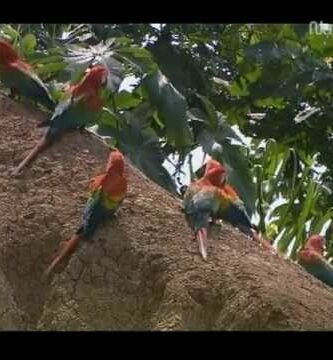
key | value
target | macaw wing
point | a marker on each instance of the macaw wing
(234, 211)
(28, 84)
(320, 269)
(94, 213)
(199, 200)
(205, 201)
(187, 199)
(72, 113)
(199, 205)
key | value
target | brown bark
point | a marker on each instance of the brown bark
(142, 271)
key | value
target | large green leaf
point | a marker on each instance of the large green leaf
(232, 156)
(179, 66)
(138, 58)
(28, 44)
(171, 107)
(139, 143)
(210, 111)
(51, 68)
(125, 99)
(9, 32)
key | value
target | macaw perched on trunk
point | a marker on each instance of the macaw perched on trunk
(232, 208)
(311, 257)
(202, 202)
(107, 192)
(80, 108)
(19, 77)
(212, 198)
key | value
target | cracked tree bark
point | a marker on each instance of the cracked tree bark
(143, 270)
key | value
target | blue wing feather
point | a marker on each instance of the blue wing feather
(94, 214)
(199, 206)
(322, 271)
(237, 216)
(71, 114)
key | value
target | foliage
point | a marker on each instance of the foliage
(196, 86)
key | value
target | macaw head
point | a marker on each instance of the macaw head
(316, 242)
(215, 173)
(116, 162)
(96, 76)
(7, 52)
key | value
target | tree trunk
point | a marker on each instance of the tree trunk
(143, 270)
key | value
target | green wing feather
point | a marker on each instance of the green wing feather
(72, 113)
(29, 85)
(234, 212)
(320, 269)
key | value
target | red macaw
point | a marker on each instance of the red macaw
(311, 257)
(108, 190)
(232, 209)
(20, 78)
(202, 202)
(212, 197)
(80, 108)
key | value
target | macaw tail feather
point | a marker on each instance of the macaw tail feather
(202, 238)
(67, 248)
(42, 145)
(48, 138)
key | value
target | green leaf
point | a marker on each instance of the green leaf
(10, 32)
(108, 118)
(47, 59)
(279, 209)
(210, 111)
(139, 58)
(171, 107)
(51, 68)
(285, 241)
(28, 43)
(278, 102)
(137, 52)
(239, 88)
(311, 196)
(125, 99)
(233, 158)
(239, 174)
(180, 67)
(141, 145)
(317, 226)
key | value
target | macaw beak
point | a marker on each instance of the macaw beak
(88, 69)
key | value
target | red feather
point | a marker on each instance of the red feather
(10, 59)
(113, 181)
